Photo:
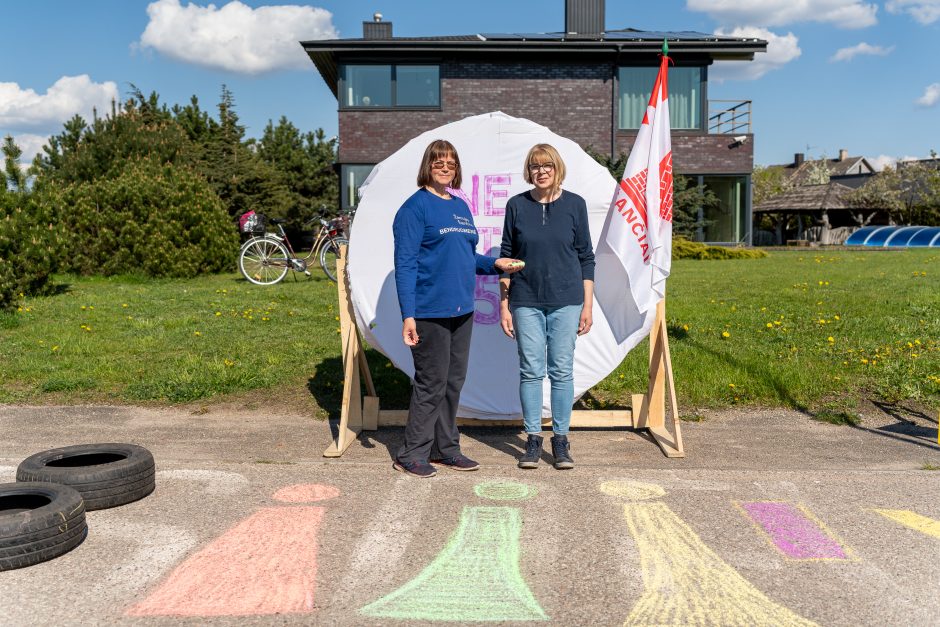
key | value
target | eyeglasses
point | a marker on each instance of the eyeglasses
(535, 168)
(439, 165)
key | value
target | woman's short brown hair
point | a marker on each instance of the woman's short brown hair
(438, 150)
(544, 153)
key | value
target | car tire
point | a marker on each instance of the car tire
(106, 475)
(39, 521)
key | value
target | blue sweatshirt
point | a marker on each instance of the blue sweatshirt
(436, 258)
(554, 241)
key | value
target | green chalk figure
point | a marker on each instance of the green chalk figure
(475, 578)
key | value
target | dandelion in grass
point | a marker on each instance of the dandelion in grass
(770, 325)
(197, 333)
(228, 363)
(685, 327)
(124, 305)
(725, 334)
(218, 313)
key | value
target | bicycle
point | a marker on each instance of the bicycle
(266, 257)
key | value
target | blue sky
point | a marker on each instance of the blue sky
(838, 73)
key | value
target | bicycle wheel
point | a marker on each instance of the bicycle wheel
(263, 260)
(328, 254)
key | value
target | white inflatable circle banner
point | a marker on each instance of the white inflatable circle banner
(492, 148)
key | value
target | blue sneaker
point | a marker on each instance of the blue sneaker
(458, 462)
(423, 470)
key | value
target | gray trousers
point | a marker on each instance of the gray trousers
(440, 360)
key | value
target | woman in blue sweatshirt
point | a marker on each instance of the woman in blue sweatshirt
(549, 303)
(435, 266)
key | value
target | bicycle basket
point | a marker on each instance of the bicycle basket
(251, 222)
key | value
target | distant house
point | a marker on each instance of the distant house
(849, 171)
(816, 208)
(585, 83)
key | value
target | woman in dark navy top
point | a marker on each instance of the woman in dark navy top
(549, 302)
(435, 265)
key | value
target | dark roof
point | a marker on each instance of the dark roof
(799, 173)
(625, 42)
(825, 197)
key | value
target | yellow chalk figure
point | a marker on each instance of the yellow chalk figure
(476, 577)
(685, 582)
(915, 521)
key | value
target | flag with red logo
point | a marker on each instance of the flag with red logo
(639, 227)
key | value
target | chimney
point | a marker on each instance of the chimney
(798, 159)
(584, 18)
(377, 29)
(843, 154)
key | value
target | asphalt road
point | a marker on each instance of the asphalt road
(772, 518)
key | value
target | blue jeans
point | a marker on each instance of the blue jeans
(546, 336)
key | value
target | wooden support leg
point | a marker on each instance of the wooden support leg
(660, 367)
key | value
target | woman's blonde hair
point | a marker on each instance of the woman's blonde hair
(544, 153)
(438, 150)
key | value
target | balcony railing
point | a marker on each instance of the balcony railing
(729, 117)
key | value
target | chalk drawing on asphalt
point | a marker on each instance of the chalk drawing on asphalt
(913, 520)
(504, 491)
(476, 576)
(685, 582)
(795, 531)
(266, 564)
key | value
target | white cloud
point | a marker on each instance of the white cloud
(781, 49)
(765, 13)
(847, 54)
(931, 96)
(884, 161)
(924, 11)
(235, 37)
(22, 109)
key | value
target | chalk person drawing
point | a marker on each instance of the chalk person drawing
(266, 564)
(476, 576)
(685, 582)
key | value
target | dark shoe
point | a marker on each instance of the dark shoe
(561, 451)
(423, 470)
(533, 451)
(458, 462)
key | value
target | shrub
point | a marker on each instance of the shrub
(684, 249)
(159, 219)
(29, 247)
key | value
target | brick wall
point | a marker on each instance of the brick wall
(573, 100)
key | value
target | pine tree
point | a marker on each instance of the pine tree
(15, 178)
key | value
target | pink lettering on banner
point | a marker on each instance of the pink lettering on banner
(486, 295)
(490, 236)
(496, 188)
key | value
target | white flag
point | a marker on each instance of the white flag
(639, 227)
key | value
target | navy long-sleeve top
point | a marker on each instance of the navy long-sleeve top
(435, 257)
(554, 241)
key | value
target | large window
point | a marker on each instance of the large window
(685, 96)
(386, 86)
(351, 178)
(728, 222)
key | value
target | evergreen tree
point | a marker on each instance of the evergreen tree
(14, 179)
(305, 163)
(240, 178)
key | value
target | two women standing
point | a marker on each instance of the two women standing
(545, 306)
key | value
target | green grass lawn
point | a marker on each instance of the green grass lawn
(815, 330)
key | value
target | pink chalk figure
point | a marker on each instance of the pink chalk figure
(266, 564)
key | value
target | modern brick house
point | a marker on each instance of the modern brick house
(585, 83)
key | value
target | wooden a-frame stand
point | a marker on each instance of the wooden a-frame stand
(361, 413)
